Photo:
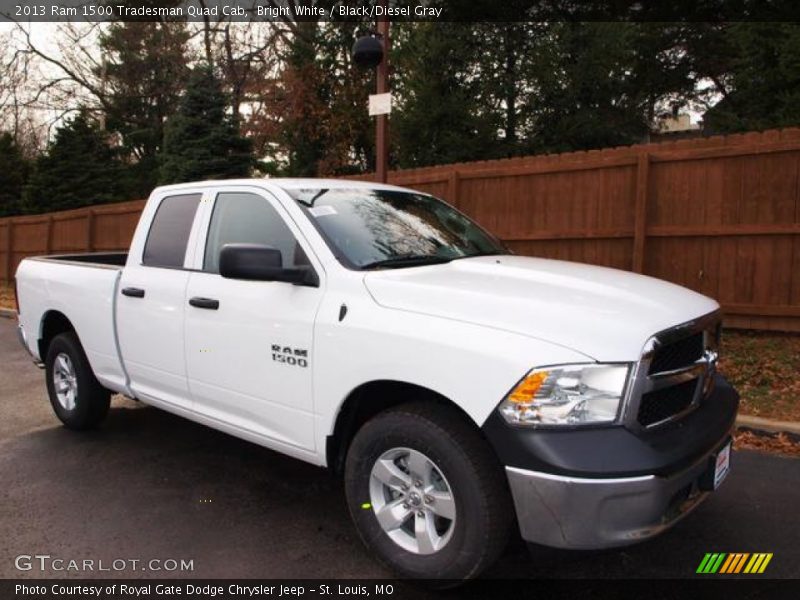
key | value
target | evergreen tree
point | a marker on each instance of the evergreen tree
(144, 74)
(763, 79)
(303, 103)
(505, 83)
(586, 95)
(13, 173)
(202, 140)
(80, 168)
(439, 118)
(472, 91)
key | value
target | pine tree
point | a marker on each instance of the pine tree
(13, 173)
(202, 141)
(439, 119)
(143, 76)
(586, 95)
(303, 103)
(80, 168)
(763, 80)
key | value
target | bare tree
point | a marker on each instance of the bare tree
(242, 53)
(42, 84)
(18, 98)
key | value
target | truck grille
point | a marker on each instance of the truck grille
(660, 405)
(673, 371)
(678, 354)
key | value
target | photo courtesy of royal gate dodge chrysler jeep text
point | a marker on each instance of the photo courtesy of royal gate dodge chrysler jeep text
(377, 331)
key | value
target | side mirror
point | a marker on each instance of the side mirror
(259, 262)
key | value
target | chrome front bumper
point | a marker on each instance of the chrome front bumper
(571, 512)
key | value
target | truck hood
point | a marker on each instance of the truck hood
(603, 313)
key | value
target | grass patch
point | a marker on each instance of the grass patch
(765, 368)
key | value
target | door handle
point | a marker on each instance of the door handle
(209, 303)
(133, 292)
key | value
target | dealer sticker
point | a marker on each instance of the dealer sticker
(722, 465)
(322, 211)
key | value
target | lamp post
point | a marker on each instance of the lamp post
(382, 124)
(372, 51)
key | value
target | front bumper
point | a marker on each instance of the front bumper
(579, 513)
(598, 487)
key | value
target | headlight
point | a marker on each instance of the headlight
(567, 395)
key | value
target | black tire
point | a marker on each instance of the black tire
(91, 400)
(484, 510)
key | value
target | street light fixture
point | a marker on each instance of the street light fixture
(367, 52)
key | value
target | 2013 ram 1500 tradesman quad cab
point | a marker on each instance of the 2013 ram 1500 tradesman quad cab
(380, 332)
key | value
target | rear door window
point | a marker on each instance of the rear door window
(169, 232)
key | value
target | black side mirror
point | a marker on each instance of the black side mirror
(259, 262)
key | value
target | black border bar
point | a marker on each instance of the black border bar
(29, 11)
(707, 587)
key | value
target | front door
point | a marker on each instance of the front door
(248, 343)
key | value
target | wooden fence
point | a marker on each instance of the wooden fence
(91, 229)
(720, 215)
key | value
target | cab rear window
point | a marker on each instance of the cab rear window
(169, 232)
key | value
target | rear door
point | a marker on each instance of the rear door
(248, 356)
(151, 300)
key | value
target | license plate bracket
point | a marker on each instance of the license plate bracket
(719, 465)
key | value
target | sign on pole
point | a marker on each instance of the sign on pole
(380, 104)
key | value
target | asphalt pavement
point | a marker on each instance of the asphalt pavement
(149, 485)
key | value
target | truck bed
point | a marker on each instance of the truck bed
(83, 288)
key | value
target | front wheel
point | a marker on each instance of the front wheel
(77, 397)
(426, 493)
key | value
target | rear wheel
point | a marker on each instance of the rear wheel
(426, 493)
(78, 399)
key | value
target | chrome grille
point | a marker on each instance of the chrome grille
(678, 354)
(674, 373)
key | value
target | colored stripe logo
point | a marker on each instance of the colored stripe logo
(734, 562)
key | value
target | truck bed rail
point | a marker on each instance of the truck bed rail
(93, 259)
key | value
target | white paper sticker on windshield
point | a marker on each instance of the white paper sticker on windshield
(322, 211)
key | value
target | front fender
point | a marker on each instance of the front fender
(471, 365)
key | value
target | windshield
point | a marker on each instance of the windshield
(390, 229)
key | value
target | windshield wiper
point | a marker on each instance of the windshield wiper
(476, 254)
(408, 260)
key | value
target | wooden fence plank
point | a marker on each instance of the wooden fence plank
(452, 188)
(9, 249)
(640, 211)
(90, 230)
(48, 242)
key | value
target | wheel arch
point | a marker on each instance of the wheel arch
(53, 323)
(369, 399)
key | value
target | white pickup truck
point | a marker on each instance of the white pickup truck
(461, 390)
